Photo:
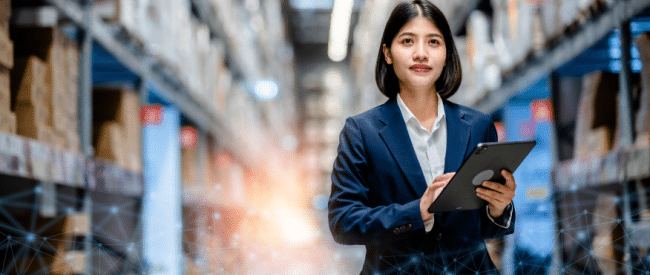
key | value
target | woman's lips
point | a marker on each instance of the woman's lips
(420, 68)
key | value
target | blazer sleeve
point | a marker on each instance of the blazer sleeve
(351, 218)
(489, 230)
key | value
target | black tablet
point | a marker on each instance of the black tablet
(485, 163)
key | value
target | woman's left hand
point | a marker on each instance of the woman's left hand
(497, 195)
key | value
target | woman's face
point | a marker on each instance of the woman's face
(417, 53)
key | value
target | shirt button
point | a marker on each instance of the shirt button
(409, 227)
(439, 237)
(396, 231)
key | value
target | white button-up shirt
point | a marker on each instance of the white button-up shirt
(431, 148)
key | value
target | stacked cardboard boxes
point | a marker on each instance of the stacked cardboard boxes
(642, 43)
(7, 118)
(117, 128)
(59, 55)
(29, 92)
(189, 156)
(596, 119)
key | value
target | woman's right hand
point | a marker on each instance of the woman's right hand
(432, 193)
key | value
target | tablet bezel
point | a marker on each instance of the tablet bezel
(456, 195)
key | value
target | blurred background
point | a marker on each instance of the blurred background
(198, 136)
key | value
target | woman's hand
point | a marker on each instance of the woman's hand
(432, 193)
(497, 195)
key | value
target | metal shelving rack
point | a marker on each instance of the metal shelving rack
(81, 171)
(569, 47)
(150, 70)
(622, 168)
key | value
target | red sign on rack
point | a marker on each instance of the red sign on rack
(189, 137)
(151, 115)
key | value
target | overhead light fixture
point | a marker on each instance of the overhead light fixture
(337, 47)
(266, 90)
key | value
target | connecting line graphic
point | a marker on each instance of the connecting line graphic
(30, 243)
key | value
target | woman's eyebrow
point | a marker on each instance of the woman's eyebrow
(413, 34)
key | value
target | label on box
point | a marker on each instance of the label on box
(638, 164)
(39, 158)
(12, 155)
(90, 174)
(7, 122)
(73, 166)
(6, 50)
(5, 89)
(57, 171)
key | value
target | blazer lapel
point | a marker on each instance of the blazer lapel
(399, 144)
(458, 132)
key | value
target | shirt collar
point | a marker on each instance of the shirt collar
(407, 115)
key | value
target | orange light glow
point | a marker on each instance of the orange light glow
(541, 110)
(189, 137)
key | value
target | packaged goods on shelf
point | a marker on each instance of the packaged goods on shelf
(596, 119)
(5, 90)
(164, 34)
(28, 78)
(520, 23)
(549, 18)
(110, 145)
(6, 50)
(188, 157)
(121, 105)
(32, 122)
(122, 12)
(72, 57)
(68, 258)
(46, 16)
(5, 15)
(7, 122)
(568, 12)
(59, 140)
(49, 44)
(607, 250)
(72, 142)
(643, 117)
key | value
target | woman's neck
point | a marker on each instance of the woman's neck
(423, 105)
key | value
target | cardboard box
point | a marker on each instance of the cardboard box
(58, 117)
(32, 122)
(5, 90)
(188, 166)
(642, 43)
(110, 145)
(6, 50)
(72, 55)
(5, 15)
(72, 141)
(607, 240)
(28, 78)
(77, 224)
(45, 16)
(596, 118)
(122, 106)
(47, 44)
(58, 139)
(32, 113)
(69, 262)
(7, 122)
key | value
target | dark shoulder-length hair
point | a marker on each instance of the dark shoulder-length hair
(451, 75)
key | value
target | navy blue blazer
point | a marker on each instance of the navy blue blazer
(377, 184)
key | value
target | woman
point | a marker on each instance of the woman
(391, 159)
